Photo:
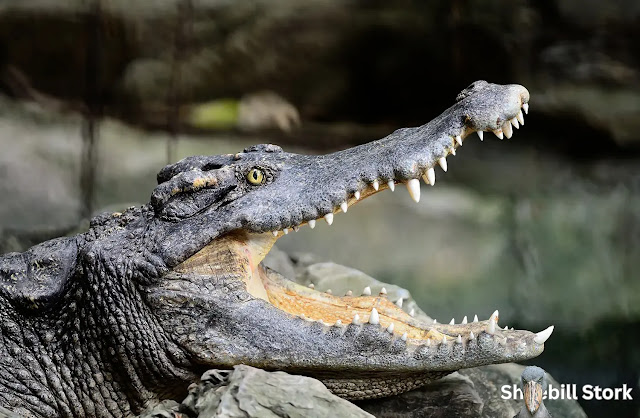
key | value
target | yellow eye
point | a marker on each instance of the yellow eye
(255, 176)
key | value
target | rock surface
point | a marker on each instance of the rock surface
(247, 392)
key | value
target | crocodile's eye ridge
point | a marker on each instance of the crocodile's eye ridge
(255, 176)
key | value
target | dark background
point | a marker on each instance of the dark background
(96, 96)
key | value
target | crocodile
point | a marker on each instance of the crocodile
(110, 321)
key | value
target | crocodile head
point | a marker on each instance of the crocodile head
(216, 217)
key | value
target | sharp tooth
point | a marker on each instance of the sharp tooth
(357, 195)
(366, 291)
(399, 303)
(443, 164)
(506, 328)
(413, 186)
(525, 106)
(338, 322)
(430, 177)
(515, 123)
(459, 140)
(296, 228)
(481, 135)
(390, 328)
(392, 185)
(452, 322)
(375, 185)
(491, 327)
(435, 321)
(356, 319)
(498, 133)
(344, 206)
(459, 339)
(543, 336)
(286, 231)
(383, 291)
(453, 151)
(464, 320)
(275, 233)
(428, 342)
(329, 291)
(412, 312)
(312, 223)
(349, 293)
(471, 336)
(444, 339)
(520, 117)
(404, 337)
(312, 286)
(475, 318)
(506, 128)
(329, 218)
(495, 315)
(374, 318)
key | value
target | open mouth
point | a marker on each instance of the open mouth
(360, 306)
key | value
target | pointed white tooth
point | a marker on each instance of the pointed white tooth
(356, 319)
(431, 176)
(471, 336)
(338, 322)
(453, 151)
(543, 336)
(275, 233)
(464, 320)
(349, 293)
(491, 327)
(329, 291)
(399, 303)
(390, 328)
(344, 206)
(512, 329)
(475, 318)
(357, 195)
(496, 316)
(444, 339)
(412, 312)
(435, 321)
(375, 185)
(312, 286)
(312, 223)
(443, 164)
(374, 318)
(459, 140)
(525, 106)
(329, 218)
(413, 186)
(452, 322)
(520, 117)
(498, 133)
(428, 342)
(459, 339)
(392, 185)
(367, 291)
(506, 128)
(286, 231)
(404, 337)
(383, 291)
(515, 123)
(296, 228)
(481, 135)
(506, 328)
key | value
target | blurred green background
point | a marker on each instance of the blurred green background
(96, 96)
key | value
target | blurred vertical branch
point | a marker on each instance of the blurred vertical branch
(94, 107)
(182, 36)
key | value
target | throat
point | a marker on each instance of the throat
(237, 254)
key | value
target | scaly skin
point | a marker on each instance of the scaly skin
(107, 322)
